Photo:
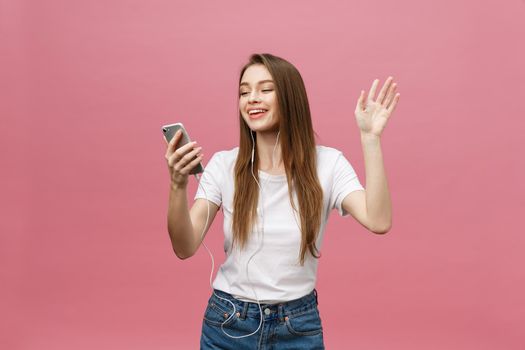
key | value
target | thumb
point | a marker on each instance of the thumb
(360, 102)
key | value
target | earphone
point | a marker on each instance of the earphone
(260, 246)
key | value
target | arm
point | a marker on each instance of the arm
(185, 226)
(373, 208)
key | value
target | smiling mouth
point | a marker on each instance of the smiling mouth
(257, 115)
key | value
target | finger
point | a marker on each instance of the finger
(175, 156)
(363, 101)
(190, 155)
(360, 102)
(373, 90)
(390, 94)
(393, 105)
(175, 139)
(185, 158)
(173, 142)
(192, 164)
(188, 159)
(384, 89)
(182, 150)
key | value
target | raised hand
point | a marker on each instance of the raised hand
(372, 114)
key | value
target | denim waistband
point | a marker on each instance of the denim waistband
(269, 311)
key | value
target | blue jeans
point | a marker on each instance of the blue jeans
(294, 324)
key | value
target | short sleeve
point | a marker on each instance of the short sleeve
(209, 186)
(345, 180)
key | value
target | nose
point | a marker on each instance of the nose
(254, 97)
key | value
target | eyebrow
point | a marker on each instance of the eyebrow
(260, 82)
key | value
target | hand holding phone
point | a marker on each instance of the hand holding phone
(183, 155)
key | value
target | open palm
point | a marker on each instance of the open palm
(372, 114)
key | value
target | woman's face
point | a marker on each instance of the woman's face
(257, 91)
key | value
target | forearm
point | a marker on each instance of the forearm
(378, 202)
(180, 227)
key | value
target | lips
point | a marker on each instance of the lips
(256, 109)
(257, 115)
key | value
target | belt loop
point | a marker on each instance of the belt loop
(315, 293)
(244, 311)
(280, 312)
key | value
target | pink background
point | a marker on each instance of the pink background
(85, 257)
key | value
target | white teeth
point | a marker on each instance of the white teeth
(256, 111)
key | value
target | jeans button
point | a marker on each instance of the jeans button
(267, 311)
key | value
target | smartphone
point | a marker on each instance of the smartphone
(170, 130)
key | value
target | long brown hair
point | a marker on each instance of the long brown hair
(298, 153)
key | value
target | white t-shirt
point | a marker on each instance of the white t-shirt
(274, 271)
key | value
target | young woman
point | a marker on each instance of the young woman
(276, 191)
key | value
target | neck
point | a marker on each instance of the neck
(265, 148)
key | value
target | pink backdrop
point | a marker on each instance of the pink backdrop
(85, 257)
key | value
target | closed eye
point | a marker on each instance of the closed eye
(266, 90)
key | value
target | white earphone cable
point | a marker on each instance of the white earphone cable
(198, 177)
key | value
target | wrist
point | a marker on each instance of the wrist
(370, 137)
(175, 187)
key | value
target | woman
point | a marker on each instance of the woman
(276, 191)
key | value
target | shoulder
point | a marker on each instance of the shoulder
(327, 151)
(224, 159)
(326, 161)
(327, 156)
(332, 161)
(226, 156)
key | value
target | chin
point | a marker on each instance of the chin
(261, 125)
(265, 129)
